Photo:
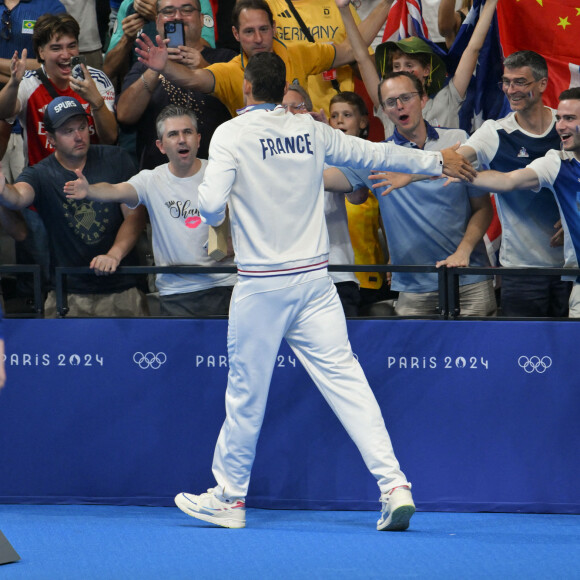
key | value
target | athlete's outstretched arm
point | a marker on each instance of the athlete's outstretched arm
(499, 182)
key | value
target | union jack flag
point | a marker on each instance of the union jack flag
(405, 19)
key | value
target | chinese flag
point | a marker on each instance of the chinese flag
(550, 28)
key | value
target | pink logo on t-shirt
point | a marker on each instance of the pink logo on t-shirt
(192, 222)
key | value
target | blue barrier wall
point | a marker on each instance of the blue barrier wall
(483, 415)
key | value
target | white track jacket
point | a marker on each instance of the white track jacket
(267, 166)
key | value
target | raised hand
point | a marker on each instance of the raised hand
(18, 66)
(153, 57)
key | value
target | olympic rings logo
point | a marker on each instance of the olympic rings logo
(535, 364)
(149, 360)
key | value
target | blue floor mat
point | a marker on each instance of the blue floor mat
(86, 542)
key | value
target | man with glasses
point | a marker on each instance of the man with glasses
(558, 171)
(425, 224)
(531, 232)
(146, 92)
(254, 28)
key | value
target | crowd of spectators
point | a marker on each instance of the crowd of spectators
(92, 93)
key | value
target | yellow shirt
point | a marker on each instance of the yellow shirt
(363, 226)
(301, 60)
(325, 24)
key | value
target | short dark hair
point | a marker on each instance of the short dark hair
(170, 112)
(570, 94)
(267, 73)
(535, 61)
(355, 101)
(250, 5)
(416, 82)
(350, 98)
(49, 25)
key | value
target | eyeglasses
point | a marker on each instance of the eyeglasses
(185, 10)
(6, 30)
(299, 107)
(391, 103)
(505, 84)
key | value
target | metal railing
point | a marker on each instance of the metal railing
(35, 271)
(449, 306)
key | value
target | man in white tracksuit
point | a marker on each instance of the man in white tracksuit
(267, 166)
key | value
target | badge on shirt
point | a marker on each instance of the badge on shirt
(329, 75)
(28, 26)
(523, 153)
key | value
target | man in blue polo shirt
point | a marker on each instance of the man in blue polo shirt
(558, 171)
(424, 223)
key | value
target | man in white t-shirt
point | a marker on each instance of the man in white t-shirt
(169, 192)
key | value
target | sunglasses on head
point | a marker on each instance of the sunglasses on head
(6, 30)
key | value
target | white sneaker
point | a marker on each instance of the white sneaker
(398, 508)
(210, 508)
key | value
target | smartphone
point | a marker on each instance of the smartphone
(175, 32)
(77, 71)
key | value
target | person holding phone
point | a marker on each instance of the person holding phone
(27, 93)
(146, 92)
(255, 29)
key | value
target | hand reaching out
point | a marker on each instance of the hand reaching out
(78, 189)
(390, 179)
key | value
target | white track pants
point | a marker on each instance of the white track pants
(306, 311)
